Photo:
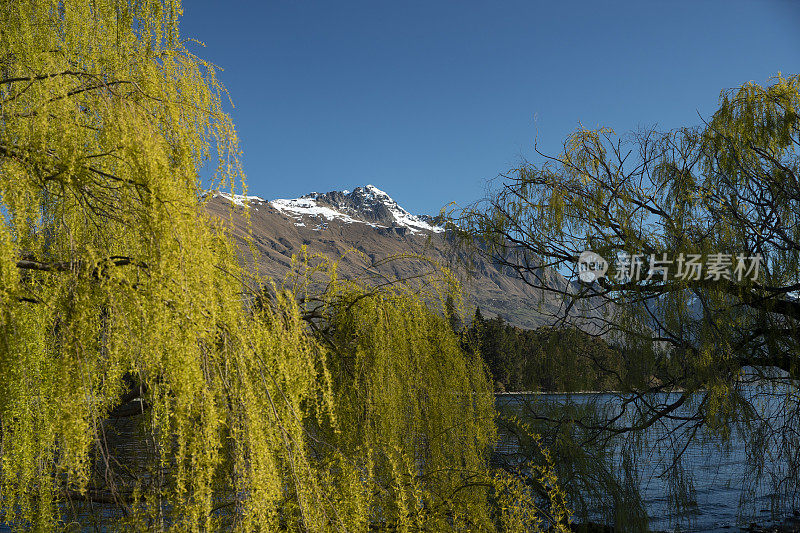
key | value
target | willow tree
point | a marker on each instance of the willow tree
(111, 276)
(722, 197)
(141, 386)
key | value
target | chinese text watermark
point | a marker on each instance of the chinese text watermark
(684, 267)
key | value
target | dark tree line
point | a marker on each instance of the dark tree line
(546, 359)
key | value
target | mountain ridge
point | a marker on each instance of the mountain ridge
(369, 221)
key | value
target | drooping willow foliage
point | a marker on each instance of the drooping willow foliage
(711, 356)
(111, 272)
(142, 386)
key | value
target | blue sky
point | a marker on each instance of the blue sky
(428, 100)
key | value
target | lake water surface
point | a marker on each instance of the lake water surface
(727, 496)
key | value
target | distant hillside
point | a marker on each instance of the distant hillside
(370, 221)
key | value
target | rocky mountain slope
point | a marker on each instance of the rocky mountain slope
(369, 221)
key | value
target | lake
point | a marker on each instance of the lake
(726, 494)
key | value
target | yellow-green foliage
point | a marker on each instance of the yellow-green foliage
(104, 122)
(415, 411)
(412, 417)
(113, 282)
(521, 508)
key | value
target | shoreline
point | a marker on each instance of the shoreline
(521, 393)
(586, 392)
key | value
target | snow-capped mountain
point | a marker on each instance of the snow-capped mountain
(364, 205)
(367, 205)
(370, 222)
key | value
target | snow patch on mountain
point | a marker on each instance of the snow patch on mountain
(401, 216)
(308, 206)
(239, 199)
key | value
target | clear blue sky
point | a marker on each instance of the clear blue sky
(427, 100)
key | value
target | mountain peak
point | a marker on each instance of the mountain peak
(367, 205)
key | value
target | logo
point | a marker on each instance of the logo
(591, 266)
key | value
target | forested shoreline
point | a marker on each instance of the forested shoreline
(548, 359)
